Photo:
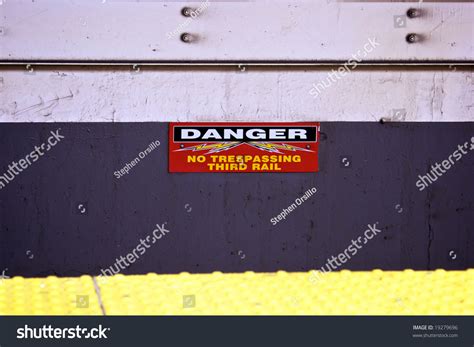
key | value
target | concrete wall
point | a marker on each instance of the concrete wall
(108, 76)
(74, 216)
(258, 94)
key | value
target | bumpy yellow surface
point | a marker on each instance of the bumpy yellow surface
(338, 293)
(48, 296)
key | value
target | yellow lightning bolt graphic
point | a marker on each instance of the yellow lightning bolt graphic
(274, 147)
(213, 148)
(224, 146)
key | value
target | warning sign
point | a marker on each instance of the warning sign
(243, 147)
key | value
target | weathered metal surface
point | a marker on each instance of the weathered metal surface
(221, 222)
(232, 30)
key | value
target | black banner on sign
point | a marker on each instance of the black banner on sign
(256, 133)
(291, 331)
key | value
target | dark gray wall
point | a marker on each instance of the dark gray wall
(228, 224)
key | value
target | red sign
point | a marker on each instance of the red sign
(243, 147)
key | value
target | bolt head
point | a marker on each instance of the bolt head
(412, 13)
(186, 11)
(411, 38)
(185, 37)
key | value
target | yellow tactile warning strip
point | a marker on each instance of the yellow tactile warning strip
(48, 296)
(376, 292)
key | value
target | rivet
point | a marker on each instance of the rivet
(186, 37)
(413, 12)
(412, 38)
(186, 11)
